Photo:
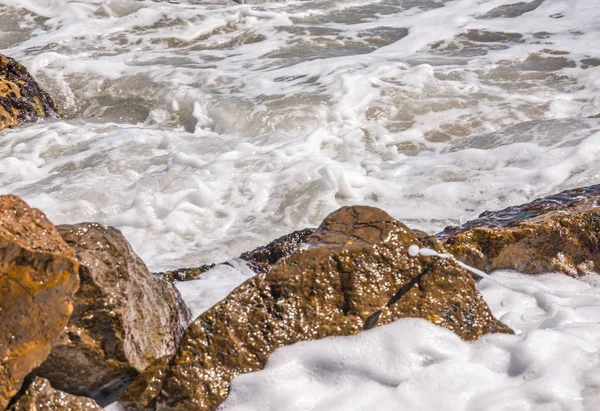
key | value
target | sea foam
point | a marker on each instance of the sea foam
(205, 130)
(552, 362)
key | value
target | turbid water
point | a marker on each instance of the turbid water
(203, 130)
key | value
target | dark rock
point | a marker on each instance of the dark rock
(512, 10)
(38, 276)
(21, 99)
(555, 233)
(185, 274)
(353, 272)
(40, 396)
(262, 259)
(124, 317)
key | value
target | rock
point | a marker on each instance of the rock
(21, 99)
(353, 273)
(124, 317)
(38, 277)
(262, 259)
(40, 396)
(185, 274)
(555, 233)
(142, 393)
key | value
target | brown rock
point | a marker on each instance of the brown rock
(142, 393)
(38, 276)
(555, 233)
(21, 99)
(124, 317)
(40, 396)
(355, 272)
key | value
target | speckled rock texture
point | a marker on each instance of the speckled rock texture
(21, 99)
(262, 259)
(124, 317)
(141, 394)
(353, 272)
(38, 277)
(559, 233)
(184, 274)
(40, 396)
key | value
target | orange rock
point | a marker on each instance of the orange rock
(353, 273)
(556, 233)
(38, 276)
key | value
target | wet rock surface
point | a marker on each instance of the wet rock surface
(354, 269)
(21, 99)
(38, 277)
(262, 259)
(560, 233)
(185, 274)
(124, 317)
(512, 10)
(40, 396)
(142, 393)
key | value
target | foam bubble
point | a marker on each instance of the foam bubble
(413, 250)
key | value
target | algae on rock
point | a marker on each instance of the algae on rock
(22, 100)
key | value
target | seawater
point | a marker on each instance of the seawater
(203, 130)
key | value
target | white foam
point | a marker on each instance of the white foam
(213, 285)
(414, 250)
(205, 130)
(552, 362)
